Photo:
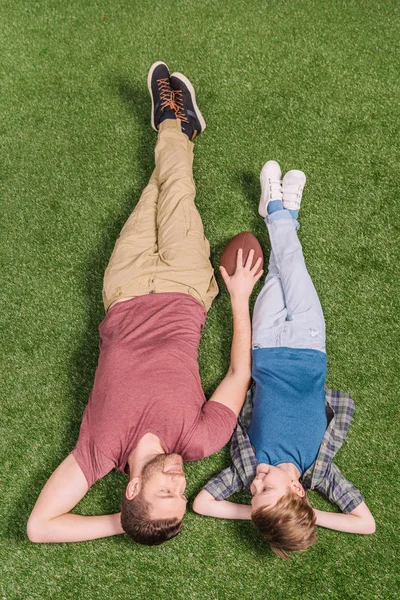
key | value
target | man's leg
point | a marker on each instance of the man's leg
(135, 251)
(184, 264)
(135, 255)
(162, 247)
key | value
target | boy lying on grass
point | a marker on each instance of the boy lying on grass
(291, 426)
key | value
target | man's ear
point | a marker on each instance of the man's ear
(296, 486)
(133, 488)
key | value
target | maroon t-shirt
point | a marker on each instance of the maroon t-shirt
(147, 380)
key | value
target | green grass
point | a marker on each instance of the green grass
(312, 84)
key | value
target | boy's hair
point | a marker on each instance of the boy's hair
(136, 522)
(289, 525)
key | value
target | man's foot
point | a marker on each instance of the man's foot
(292, 188)
(162, 101)
(187, 110)
(270, 178)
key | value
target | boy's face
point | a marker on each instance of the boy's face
(269, 484)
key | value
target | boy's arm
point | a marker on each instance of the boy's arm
(232, 390)
(355, 516)
(360, 520)
(206, 504)
(51, 521)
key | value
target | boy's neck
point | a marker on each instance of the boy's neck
(290, 469)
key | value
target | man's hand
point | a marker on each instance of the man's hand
(232, 390)
(241, 283)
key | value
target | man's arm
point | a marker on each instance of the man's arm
(232, 390)
(51, 521)
(360, 520)
(206, 504)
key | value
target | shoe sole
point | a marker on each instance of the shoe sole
(149, 78)
(193, 95)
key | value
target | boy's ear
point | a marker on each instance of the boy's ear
(296, 486)
(133, 488)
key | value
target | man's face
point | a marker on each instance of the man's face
(269, 484)
(163, 486)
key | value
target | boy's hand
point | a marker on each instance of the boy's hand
(241, 283)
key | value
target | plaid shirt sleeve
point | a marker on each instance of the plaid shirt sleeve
(339, 490)
(225, 484)
(240, 474)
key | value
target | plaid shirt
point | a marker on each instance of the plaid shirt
(323, 475)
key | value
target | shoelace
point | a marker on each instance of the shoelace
(166, 94)
(173, 99)
(179, 110)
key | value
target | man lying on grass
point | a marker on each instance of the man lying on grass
(291, 428)
(147, 412)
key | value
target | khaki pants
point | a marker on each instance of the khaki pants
(162, 247)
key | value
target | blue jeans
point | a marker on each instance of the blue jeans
(287, 311)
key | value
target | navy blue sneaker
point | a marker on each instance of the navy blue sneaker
(162, 97)
(186, 109)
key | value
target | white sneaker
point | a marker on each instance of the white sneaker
(271, 185)
(292, 188)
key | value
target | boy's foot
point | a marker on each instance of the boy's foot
(162, 100)
(187, 110)
(292, 188)
(270, 178)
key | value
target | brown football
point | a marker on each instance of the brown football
(245, 240)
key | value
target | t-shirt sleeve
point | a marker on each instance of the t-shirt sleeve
(214, 429)
(224, 484)
(339, 490)
(90, 459)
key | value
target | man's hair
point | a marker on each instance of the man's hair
(136, 522)
(289, 525)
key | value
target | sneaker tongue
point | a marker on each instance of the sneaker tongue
(167, 114)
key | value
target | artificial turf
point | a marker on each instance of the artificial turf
(310, 83)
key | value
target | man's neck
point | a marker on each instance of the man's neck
(146, 449)
(290, 469)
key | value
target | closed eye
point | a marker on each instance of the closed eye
(169, 495)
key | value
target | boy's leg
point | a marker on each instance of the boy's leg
(269, 310)
(135, 251)
(305, 326)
